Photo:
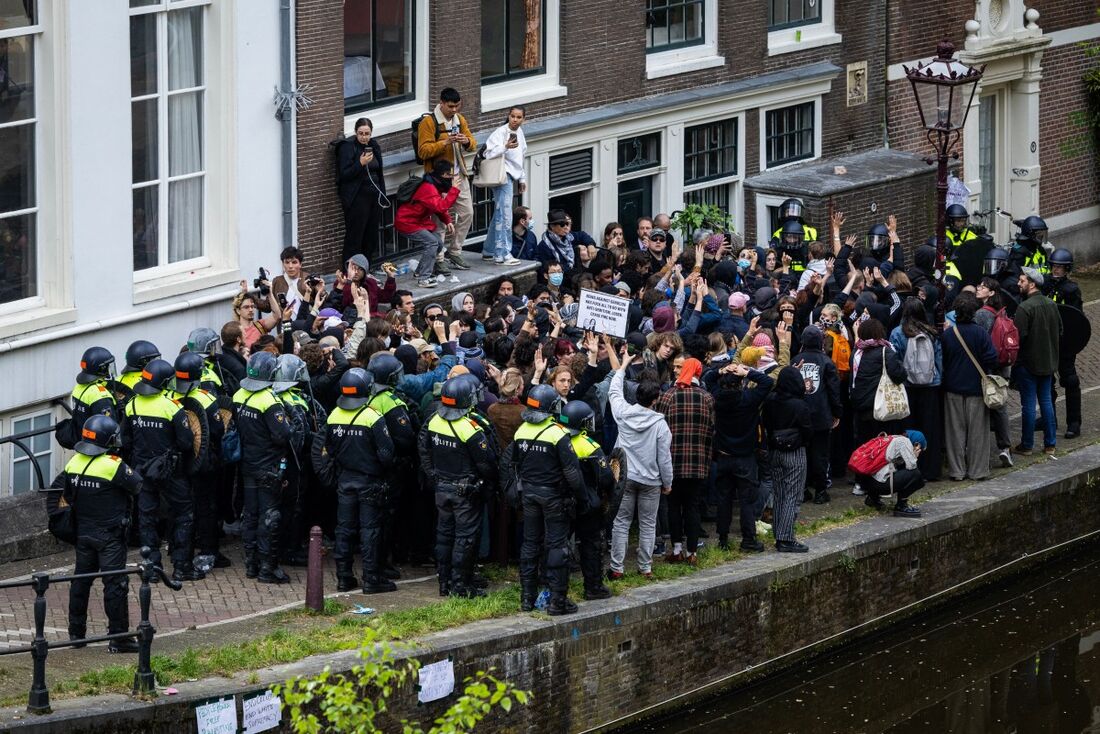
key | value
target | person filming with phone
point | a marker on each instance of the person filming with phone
(362, 191)
(507, 141)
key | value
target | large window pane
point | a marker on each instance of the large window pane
(145, 226)
(18, 260)
(17, 14)
(143, 55)
(378, 52)
(16, 78)
(184, 133)
(24, 477)
(710, 151)
(17, 168)
(790, 13)
(789, 134)
(145, 140)
(511, 38)
(184, 219)
(185, 48)
(673, 23)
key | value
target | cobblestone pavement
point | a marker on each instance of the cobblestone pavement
(226, 596)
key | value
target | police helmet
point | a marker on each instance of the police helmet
(154, 378)
(355, 388)
(203, 341)
(475, 384)
(995, 261)
(456, 398)
(578, 416)
(289, 371)
(139, 354)
(791, 235)
(543, 402)
(1032, 228)
(878, 238)
(1063, 257)
(188, 366)
(791, 209)
(260, 372)
(956, 211)
(95, 364)
(387, 370)
(98, 436)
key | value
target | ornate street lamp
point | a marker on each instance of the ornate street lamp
(944, 88)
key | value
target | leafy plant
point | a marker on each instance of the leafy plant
(351, 702)
(701, 216)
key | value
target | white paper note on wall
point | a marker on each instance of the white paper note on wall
(217, 717)
(437, 680)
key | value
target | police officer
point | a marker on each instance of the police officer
(358, 441)
(387, 372)
(1029, 249)
(98, 486)
(995, 265)
(138, 354)
(878, 243)
(290, 373)
(542, 459)
(1063, 291)
(792, 210)
(578, 418)
(204, 342)
(91, 396)
(265, 436)
(204, 470)
(455, 454)
(156, 433)
(958, 228)
(792, 244)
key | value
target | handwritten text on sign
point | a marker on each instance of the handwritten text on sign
(437, 680)
(603, 313)
(218, 717)
(261, 713)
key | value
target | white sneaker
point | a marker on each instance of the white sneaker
(857, 491)
(1006, 458)
(426, 283)
(509, 261)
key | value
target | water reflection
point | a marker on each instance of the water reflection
(1021, 657)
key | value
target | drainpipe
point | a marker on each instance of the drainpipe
(886, 80)
(285, 105)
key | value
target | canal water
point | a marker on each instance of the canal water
(1020, 656)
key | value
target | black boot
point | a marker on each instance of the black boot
(1073, 430)
(251, 565)
(270, 573)
(527, 598)
(466, 591)
(346, 582)
(444, 586)
(559, 605)
(596, 592)
(187, 573)
(127, 645)
(821, 498)
(904, 509)
(378, 585)
(78, 634)
(390, 571)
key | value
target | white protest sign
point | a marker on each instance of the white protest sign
(437, 680)
(603, 313)
(217, 717)
(261, 712)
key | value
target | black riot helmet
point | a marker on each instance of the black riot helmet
(1032, 229)
(387, 370)
(543, 402)
(791, 209)
(577, 416)
(791, 235)
(995, 261)
(355, 388)
(189, 367)
(139, 354)
(155, 377)
(1063, 257)
(456, 398)
(957, 218)
(95, 364)
(878, 239)
(99, 435)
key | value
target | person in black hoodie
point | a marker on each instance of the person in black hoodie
(822, 384)
(362, 190)
(789, 429)
(736, 419)
(872, 351)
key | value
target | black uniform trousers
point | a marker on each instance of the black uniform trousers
(171, 499)
(261, 517)
(683, 512)
(546, 515)
(206, 487)
(361, 509)
(737, 475)
(103, 551)
(588, 529)
(458, 526)
(817, 461)
(290, 509)
(1071, 383)
(361, 222)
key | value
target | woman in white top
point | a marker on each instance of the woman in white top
(508, 141)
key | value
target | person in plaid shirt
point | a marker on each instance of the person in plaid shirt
(689, 411)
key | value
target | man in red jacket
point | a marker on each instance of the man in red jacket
(417, 219)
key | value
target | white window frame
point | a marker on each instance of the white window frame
(10, 453)
(395, 118)
(763, 221)
(533, 88)
(763, 126)
(164, 177)
(691, 58)
(811, 35)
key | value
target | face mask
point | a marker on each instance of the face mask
(556, 278)
(744, 264)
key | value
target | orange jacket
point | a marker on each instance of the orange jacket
(431, 145)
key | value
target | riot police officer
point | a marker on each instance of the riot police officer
(791, 210)
(98, 486)
(958, 228)
(1063, 291)
(290, 373)
(265, 436)
(877, 242)
(542, 460)
(202, 470)
(358, 441)
(578, 418)
(204, 342)
(455, 453)
(995, 265)
(138, 354)
(1029, 249)
(792, 243)
(156, 433)
(91, 395)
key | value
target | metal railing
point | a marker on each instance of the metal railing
(38, 701)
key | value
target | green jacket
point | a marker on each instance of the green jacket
(1040, 328)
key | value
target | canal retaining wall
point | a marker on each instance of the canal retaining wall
(662, 644)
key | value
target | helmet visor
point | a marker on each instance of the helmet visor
(878, 241)
(792, 209)
(1039, 235)
(992, 265)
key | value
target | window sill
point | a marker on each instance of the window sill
(391, 119)
(35, 318)
(502, 95)
(672, 63)
(800, 39)
(183, 284)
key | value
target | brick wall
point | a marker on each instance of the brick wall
(916, 27)
(1071, 179)
(1056, 15)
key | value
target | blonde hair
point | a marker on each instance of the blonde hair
(511, 383)
(832, 310)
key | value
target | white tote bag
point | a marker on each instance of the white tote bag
(891, 402)
(490, 173)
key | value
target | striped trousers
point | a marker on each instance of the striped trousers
(788, 470)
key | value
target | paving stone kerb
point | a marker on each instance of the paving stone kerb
(656, 645)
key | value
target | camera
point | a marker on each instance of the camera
(260, 284)
(281, 298)
(314, 280)
(454, 129)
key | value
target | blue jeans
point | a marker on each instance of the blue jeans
(1030, 387)
(498, 242)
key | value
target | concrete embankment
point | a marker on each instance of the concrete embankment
(662, 644)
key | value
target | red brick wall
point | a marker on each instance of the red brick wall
(1071, 179)
(1055, 15)
(916, 27)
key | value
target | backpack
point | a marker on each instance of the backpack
(407, 190)
(841, 353)
(871, 456)
(415, 130)
(920, 359)
(1006, 339)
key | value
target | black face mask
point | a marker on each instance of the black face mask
(441, 183)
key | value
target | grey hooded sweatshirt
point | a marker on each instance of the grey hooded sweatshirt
(643, 436)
